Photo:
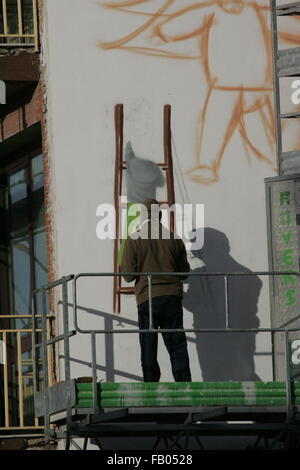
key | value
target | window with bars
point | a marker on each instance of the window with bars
(18, 23)
(23, 268)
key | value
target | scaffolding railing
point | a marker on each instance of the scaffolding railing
(286, 63)
(67, 334)
(19, 24)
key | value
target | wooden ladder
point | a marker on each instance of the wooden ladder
(120, 166)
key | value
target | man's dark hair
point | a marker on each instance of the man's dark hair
(152, 208)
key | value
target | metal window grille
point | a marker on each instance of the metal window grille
(19, 23)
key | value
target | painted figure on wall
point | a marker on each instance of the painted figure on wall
(219, 34)
(143, 177)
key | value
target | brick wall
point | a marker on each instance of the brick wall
(42, 100)
(48, 207)
(35, 110)
(22, 117)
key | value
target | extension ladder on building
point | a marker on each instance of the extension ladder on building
(120, 166)
(286, 63)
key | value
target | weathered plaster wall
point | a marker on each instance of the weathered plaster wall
(218, 82)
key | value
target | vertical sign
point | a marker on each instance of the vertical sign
(283, 199)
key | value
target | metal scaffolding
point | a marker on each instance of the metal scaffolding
(271, 424)
(286, 63)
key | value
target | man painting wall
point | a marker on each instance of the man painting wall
(154, 249)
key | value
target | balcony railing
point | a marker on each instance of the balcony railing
(16, 374)
(18, 24)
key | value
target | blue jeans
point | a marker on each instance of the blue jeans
(167, 314)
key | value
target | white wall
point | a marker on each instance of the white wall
(86, 82)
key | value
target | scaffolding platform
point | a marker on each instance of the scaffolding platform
(172, 412)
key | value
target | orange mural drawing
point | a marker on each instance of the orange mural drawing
(231, 38)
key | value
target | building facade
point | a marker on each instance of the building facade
(212, 63)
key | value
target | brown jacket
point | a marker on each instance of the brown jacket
(155, 255)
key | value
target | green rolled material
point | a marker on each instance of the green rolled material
(186, 394)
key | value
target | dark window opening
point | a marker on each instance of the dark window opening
(23, 268)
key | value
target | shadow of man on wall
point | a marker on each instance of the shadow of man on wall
(223, 356)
